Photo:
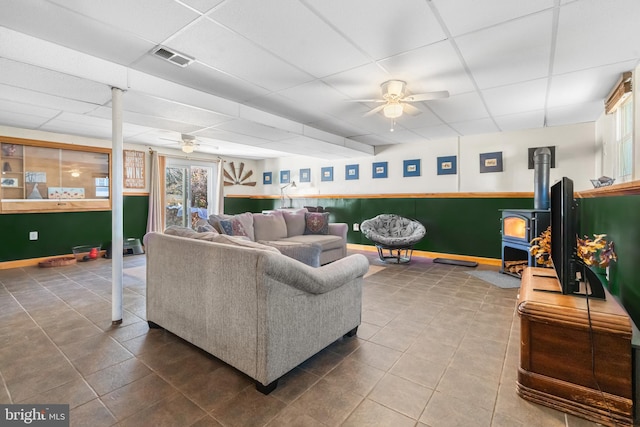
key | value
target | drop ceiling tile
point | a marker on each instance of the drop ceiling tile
(202, 5)
(385, 28)
(464, 16)
(516, 98)
(245, 127)
(520, 121)
(405, 136)
(512, 52)
(78, 124)
(60, 25)
(26, 109)
(223, 135)
(19, 120)
(360, 82)
(292, 32)
(288, 108)
(436, 132)
(474, 127)
(153, 20)
(582, 113)
(50, 82)
(430, 68)
(201, 77)
(579, 46)
(41, 100)
(587, 85)
(318, 97)
(426, 118)
(459, 108)
(151, 106)
(147, 121)
(228, 52)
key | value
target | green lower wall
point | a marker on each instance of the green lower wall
(464, 226)
(59, 232)
(618, 218)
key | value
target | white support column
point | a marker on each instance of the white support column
(116, 207)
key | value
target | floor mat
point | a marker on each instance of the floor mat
(495, 278)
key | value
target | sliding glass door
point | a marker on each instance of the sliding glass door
(189, 191)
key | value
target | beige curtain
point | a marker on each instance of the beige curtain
(155, 220)
(220, 192)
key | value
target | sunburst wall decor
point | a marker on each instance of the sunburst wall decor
(237, 176)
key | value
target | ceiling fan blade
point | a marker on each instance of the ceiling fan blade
(375, 110)
(426, 96)
(411, 110)
(365, 100)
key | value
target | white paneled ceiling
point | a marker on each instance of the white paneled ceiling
(275, 78)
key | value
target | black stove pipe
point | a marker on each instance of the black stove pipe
(541, 169)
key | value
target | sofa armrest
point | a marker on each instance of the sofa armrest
(316, 280)
(339, 229)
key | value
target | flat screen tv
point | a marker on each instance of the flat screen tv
(563, 234)
(564, 228)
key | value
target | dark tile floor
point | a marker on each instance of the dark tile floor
(437, 347)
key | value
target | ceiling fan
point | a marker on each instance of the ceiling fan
(188, 143)
(396, 101)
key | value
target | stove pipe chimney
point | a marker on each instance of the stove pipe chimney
(541, 167)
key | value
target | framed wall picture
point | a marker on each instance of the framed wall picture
(532, 150)
(447, 165)
(379, 169)
(133, 168)
(411, 167)
(267, 178)
(326, 174)
(10, 182)
(491, 162)
(285, 177)
(352, 172)
(305, 175)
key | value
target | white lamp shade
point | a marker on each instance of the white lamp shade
(392, 110)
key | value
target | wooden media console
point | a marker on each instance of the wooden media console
(574, 357)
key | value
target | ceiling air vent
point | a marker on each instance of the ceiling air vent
(172, 56)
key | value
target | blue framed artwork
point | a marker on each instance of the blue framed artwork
(326, 174)
(352, 172)
(411, 167)
(285, 176)
(448, 165)
(305, 175)
(379, 169)
(267, 178)
(491, 162)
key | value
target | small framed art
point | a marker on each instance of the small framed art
(379, 169)
(326, 174)
(411, 167)
(305, 175)
(491, 162)
(10, 182)
(267, 178)
(447, 165)
(351, 172)
(285, 177)
(532, 150)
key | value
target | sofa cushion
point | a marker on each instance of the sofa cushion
(176, 230)
(316, 223)
(206, 227)
(246, 219)
(327, 242)
(270, 226)
(306, 253)
(233, 227)
(295, 222)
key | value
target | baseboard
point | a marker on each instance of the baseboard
(31, 262)
(426, 254)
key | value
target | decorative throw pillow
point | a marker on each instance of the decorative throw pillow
(206, 227)
(232, 227)
(316, 223)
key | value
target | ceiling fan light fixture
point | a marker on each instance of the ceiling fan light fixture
(392, 110)
(187, 147)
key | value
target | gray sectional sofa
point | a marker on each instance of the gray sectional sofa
(247, 304)
(286, 229)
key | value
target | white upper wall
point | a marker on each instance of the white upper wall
(575, 158)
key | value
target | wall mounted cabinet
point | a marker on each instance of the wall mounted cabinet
(41, 176)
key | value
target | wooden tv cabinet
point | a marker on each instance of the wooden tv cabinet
(556, 356)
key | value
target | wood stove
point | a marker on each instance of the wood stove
(519, 227)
